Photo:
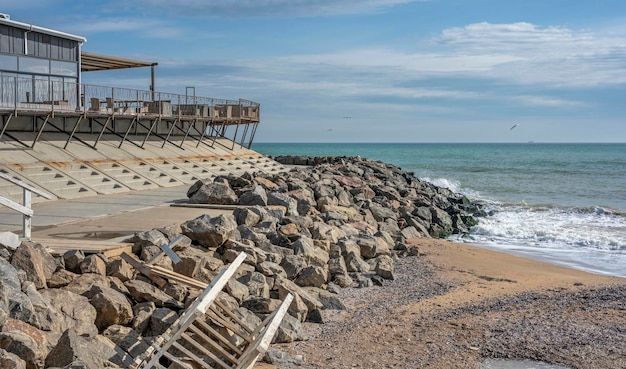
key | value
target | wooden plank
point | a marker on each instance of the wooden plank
(219, 337)
(221, 319)
(109, 249)
(252, 353)
(234, 317)
(143, 269)
(26, 186)
(171, 275)
(204, 350)
(191, 355)
(216, 346)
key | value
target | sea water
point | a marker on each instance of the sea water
(562, 203)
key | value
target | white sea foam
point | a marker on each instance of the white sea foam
(593, 239)
(452, 185)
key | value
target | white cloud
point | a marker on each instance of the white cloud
(265, 8)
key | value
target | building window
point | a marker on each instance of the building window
(61, 68)
(34, 65)
(8, 63)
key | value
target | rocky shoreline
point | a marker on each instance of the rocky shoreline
(329, 227)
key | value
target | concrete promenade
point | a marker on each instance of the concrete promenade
(105, 217)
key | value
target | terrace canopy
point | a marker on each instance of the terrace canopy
(91, 62)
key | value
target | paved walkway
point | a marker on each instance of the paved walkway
(107, 216)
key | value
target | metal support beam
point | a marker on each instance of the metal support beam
(169, 133)
(104, 127)
(80, 118)
(40, 130)
(192, 125)
(5, 124)
(252, 135)
(150, 130)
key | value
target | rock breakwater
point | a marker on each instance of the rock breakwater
(308, 232)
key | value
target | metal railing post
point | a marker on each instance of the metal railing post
(27, 219)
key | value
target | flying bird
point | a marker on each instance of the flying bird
(328, 130)
(347, 117)
(515, 125)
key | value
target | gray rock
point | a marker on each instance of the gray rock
(72, 260)
(255, 196)
(208, 231)
(11, 361)
(61, 278)
(142, 313)
(28, 259)
(313, 255)
(293, 265)
(48, 317)
(13, 302)
(237, 290)
(314, 276)
(112, 307)
(25, 341)
(381, 213)
(282, 359)
(290, 330)
(281, 199)
(9, 240)
(161, 320)
(247, 217)
(120, 269)
(384, 267)
(143, 291)
(410, 232)
(270, 269)
(76, 311)
(286, 286)
(93, 264)
(71, 348)
(261, 305)
(127, 339)
(84, 282)
(354, 263)
(256, 283)
(337, 267)
(368, 246)
(218, 193)
(330, 301)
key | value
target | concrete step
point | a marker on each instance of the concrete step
(53, 180)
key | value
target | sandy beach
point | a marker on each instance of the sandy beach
(455, 305)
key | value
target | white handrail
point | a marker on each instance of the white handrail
(25, 208)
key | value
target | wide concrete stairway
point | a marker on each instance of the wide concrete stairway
(80, 171)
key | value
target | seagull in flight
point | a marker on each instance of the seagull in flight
(515, 125)
(328, 130)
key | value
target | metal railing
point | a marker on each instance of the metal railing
(23, 93)
(24, 208)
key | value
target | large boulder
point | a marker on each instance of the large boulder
(9, 360)
(112, 307)
(76, 312)
(24, 341)
(254, 196)
(313, 255)
(210, 231)
(142, 291)
(13, 302)
(73, 348)
(218, 193)
(28, 259)
(312, 276)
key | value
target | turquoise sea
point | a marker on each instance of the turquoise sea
(562, 203)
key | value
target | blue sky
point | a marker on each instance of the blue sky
(402, 70)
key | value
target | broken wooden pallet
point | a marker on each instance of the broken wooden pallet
(208, 333)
